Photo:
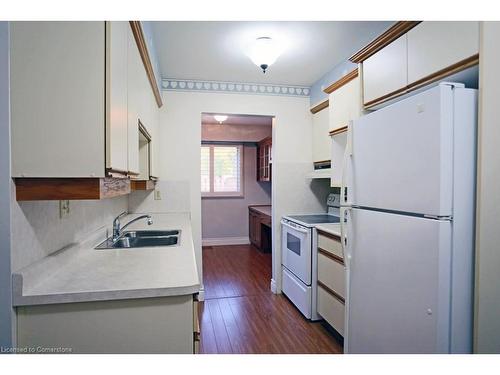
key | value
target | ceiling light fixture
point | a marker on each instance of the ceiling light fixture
(264, 52)
(220, 118)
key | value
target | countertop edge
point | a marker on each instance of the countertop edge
(101, 296)
(332, 231)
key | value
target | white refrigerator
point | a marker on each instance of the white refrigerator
(408, 200)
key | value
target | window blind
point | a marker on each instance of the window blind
(205, 169)
(226, 169)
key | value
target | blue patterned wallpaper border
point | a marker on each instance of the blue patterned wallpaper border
(173, 84)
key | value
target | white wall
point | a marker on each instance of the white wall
(487, 291)
(6, 312)
(180, 137)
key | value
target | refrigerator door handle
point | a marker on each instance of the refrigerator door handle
(344, 216)
(344, 219)
(347, 154)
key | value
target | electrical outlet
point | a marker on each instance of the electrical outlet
(63, 208)
(157, 195)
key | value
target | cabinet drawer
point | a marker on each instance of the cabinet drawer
(331, 309)
(330, 244)
(332, 274)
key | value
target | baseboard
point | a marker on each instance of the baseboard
(273, 286)
(201, 294)
(225, 241)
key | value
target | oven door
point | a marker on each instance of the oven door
(296, 250)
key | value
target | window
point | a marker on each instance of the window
(221, 171)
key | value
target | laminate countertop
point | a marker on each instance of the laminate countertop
(329, 228)
(266, 210)
(80, 273)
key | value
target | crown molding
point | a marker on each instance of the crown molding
(173, 84)
(390, 35)
(144, 53)
(341, 82)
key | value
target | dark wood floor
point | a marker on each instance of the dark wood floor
(241, 315)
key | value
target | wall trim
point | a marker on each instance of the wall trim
(390, 35)
(175, 84)
(146, 60)
(342, 81)
(222, 241)
(273, 286)
(320, 106)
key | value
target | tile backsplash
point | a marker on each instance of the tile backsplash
(37, 229)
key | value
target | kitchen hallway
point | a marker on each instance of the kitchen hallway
(241, 315)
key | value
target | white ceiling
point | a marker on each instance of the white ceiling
(208, 119)
(217, 50)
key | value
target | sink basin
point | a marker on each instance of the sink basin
(150, 233)
(142, 238)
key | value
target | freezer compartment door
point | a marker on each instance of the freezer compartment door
(402, 155)
(398, 298)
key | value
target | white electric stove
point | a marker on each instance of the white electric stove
(299, 261)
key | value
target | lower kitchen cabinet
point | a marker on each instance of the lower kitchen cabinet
(331, 281)
(148, 325)
(259, 227)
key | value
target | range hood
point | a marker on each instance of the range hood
(320, 173)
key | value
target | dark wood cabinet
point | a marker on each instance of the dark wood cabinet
(259, 227)
(264, 159)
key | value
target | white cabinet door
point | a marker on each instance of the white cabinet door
(116, 91)
(134, 70)
(57, 99)
(433, 46)
(321, 140)
(385, 71)
(345, 104)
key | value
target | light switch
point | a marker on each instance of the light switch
(63, 208)
(157, 195)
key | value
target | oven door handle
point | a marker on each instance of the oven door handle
(305, 231)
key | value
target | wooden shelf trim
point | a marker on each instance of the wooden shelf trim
(390, 35)
(31, 189)
(331, 256)
(143, 51)
(342, 81)
(343, 129)
(318, 107)
(331, 292)
(328, 234)
(142, 185)
(452, 69)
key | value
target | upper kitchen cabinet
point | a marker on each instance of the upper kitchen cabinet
(116, 97)
(79, 91)
(384, 73)
(433, 46)
(142, 110)
(264, 160)
(321, 140)
(412, 54)
(58, 99)
(136, 107)
(345, 101)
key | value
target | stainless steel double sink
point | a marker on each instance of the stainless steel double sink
(142, 238)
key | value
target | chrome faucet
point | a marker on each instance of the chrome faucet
(117, 229)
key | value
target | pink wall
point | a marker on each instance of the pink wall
(228, 217)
